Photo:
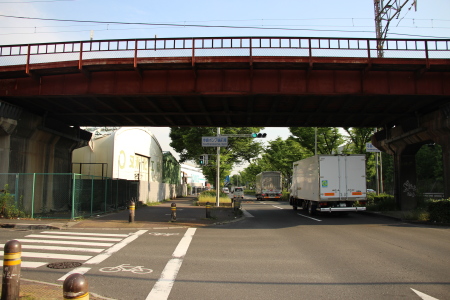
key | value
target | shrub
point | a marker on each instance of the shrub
(285, 196)
(210, 196)
(382, 202)
(8, 208)
(439, 210)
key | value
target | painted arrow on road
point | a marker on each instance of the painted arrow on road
(424, 296)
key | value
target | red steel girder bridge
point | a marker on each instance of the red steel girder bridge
(228, 81)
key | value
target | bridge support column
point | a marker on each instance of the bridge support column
(404, 140)
(405, 178)
(446, 162)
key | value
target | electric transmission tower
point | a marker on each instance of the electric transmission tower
(385, 12)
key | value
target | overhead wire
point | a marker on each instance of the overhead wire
(176, 24)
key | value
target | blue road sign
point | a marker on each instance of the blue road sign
(214, 141)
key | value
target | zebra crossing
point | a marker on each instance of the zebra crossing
(87, 248)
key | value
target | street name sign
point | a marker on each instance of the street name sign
(214, 141)
(371, 148)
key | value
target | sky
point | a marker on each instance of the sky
(43, 21)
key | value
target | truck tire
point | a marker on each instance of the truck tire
(312, 208)
(293, 202)
(304, 205)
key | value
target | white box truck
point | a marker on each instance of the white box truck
(268, 185)
(329, 183)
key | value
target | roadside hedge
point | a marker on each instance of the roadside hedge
(382, 202)
(439, 210)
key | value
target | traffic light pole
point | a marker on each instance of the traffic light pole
(218, 172)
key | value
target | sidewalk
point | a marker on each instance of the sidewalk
(158, 216)
(187, 215)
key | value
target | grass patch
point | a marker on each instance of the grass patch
(203, 199)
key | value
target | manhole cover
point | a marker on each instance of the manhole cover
(64, 265)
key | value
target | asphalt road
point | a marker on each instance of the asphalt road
(274, 253)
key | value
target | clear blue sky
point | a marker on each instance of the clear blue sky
(330, 18)
(203, 18)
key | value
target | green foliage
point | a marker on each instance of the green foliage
(439, 210)
(382, 202)
(249, 192)
(212, 193)
(8, 208)
(278, 156)
(187, 142)
(328, 139)
(210, 196)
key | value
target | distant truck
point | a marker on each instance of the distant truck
(329, 183)
(268, 185)
(238, 192)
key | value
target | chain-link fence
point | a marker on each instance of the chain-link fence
(67, 195)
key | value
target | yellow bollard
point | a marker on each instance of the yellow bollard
(12, 261)
(208, 210)
(76, 287)
(131, 209)
(173, 208)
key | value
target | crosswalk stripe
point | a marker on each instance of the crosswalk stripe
(54, 256)
(49, 241)
(86, 233)
(58, 248)
(32, 264)
(65, 242)
(65, 237)
(81, 270)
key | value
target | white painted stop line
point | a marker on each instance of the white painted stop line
(163, 286)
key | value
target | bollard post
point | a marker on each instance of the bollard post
(237, 204)
(12, 261)
(76, 287)
(208, 210)
(173, 208)
(131, 209)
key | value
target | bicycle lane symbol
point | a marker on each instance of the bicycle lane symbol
(127, 268)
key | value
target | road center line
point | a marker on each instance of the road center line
(310, 218)
(163, 286)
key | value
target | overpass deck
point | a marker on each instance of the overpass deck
(236, 81)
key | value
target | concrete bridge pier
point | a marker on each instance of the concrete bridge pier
(33, 144)
(403, 142)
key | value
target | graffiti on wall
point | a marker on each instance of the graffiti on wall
(409, 189)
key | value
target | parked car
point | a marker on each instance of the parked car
(225, 190)
(371, 191)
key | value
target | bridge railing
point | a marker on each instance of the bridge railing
(221, 46)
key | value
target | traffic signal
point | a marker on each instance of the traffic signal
(203, 159)
(259, 135)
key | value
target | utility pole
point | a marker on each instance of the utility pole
(218, 172)
(385, 12)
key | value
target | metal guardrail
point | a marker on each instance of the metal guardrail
(222, 46)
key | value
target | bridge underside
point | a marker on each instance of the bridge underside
(230, 91)
(409, 98)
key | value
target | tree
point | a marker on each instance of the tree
(187, 142)
(278, 156)
(358, 137)
(328, 139)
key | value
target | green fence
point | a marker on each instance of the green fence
(68, 195)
